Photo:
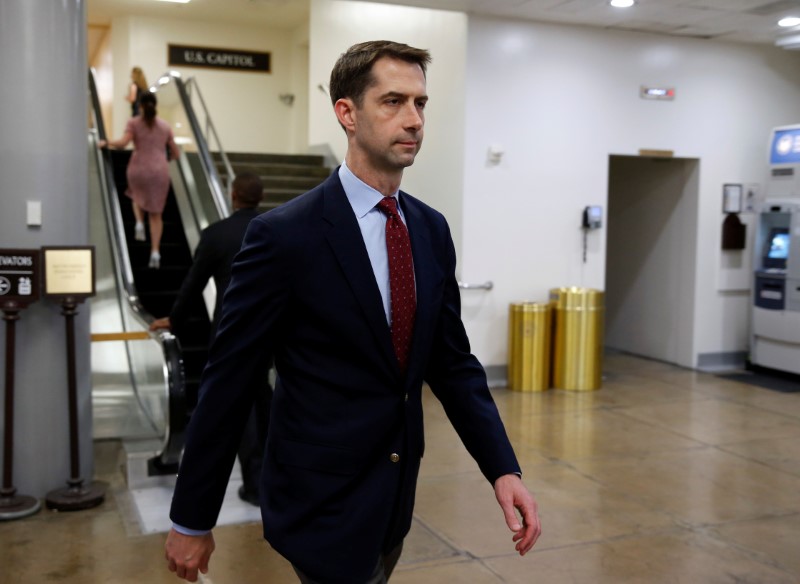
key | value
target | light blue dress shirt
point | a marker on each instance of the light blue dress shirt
(372, 222)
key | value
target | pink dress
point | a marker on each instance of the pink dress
(148, 169)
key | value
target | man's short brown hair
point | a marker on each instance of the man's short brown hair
(352, 73)
(248, 188)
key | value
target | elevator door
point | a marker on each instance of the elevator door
(650, 267)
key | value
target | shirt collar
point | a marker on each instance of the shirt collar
(362, 197)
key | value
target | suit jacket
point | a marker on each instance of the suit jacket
(346, 435)
(213, 258)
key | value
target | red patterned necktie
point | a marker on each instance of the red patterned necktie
(401, 280)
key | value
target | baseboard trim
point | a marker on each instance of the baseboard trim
(724, 361)
(497, 376)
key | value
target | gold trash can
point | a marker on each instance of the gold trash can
(529, 327)
(578, 338)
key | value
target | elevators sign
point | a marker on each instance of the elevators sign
(68, 272)
(19, 276)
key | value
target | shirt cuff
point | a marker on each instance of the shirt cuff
(187, 531)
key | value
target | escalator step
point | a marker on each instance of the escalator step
(172, 255)
(167, 278)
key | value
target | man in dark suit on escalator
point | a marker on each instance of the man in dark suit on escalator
(219, 244)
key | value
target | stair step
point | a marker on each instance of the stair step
(309, 159)
(285, 176)
(272, 203)
(168, 277)
(265, 169)
(282, 195)
(172, 255)
(301, 183)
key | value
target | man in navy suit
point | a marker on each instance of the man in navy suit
(311, 287)
(219, 243)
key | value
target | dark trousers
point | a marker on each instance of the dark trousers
(383, 569)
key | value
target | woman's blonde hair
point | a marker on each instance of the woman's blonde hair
(138, 78)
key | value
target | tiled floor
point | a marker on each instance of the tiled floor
(662, 476)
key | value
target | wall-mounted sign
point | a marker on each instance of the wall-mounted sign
(732, 198)
(663, 93)
(238, 60)
(19, 276)
(68, 271)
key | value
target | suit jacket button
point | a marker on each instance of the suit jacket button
(394, 457)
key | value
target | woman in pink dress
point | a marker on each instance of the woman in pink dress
(148, 171)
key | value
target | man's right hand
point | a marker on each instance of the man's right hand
(512, 495)
(186, 554)
(160, 323)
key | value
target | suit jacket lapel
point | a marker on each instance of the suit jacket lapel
(344, 237)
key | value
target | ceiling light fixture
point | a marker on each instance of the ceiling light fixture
(621, 3)
(789, 21)
(176, 1)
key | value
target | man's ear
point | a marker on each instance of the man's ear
(346, 113)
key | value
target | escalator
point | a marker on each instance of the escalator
(145, 383)
(158, 289)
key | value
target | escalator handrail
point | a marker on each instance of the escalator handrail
(175, 379)
(191, 85)
(218, 193)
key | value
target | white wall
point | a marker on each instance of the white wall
(650, 275)
(298, 134)
(244, 105)
(560, 100)
(103, 66)
(437, 174)
(120, 62)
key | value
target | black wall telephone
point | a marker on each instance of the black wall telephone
(592, 217)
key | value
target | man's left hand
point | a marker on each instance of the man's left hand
(160, 324)
(512, 494)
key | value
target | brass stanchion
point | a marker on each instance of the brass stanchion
(75, 496)
(12, 505)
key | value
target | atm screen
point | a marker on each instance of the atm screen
(777, 249)
(779, 245)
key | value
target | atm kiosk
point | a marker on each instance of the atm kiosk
(776, 299)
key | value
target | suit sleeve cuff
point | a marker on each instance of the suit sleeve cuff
(187, 531)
